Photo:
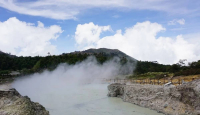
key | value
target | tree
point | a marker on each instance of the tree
(182, 62)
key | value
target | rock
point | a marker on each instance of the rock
(115, 90)
(172, 100)
(165, 106)
(12, 103)
(169, 84)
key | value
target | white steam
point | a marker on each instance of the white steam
(84, 72)
(69, 85)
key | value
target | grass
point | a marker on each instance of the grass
(151, 75)
(160, 78)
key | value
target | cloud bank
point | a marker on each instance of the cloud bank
(27, 39)
(141, 42)
(69, 9)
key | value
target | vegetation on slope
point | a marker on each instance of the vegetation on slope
(143, 69)
(35, 64)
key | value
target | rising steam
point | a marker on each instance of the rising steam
(83, 72)
(67, 81)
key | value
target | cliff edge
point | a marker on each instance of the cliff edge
(174, 100)
(12, 103)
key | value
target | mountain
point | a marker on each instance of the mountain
(106, 52)
(7, 54)
(37, 63)
(1, 52)
(11, 62)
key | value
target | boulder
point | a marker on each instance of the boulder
(12, 103)
(115, 90)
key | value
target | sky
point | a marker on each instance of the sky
(148, 30)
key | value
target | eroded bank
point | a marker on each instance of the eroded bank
(173, 100)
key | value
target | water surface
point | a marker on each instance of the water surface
(88, 99)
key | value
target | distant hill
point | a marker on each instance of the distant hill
(34, 64)
(6, 54)
(1, 52)
(107, 52)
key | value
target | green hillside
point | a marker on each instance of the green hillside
(29, 64)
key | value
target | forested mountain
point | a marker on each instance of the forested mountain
(109, 52)
(33, 64)
(9, 62)
(7, 54)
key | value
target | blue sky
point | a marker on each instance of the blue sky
(174, 22)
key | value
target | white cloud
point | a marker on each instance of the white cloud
(90, 35)
(181, 21)
(175, 21)
(69, 9)
(142, 43)
(27, 39)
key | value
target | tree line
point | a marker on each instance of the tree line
(178, 69)
(38, 63)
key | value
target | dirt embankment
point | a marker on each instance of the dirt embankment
(173, 100)
(12, 103)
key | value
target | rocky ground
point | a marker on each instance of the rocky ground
(173, 100)
(12, 103)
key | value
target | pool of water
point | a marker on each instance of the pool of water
(88, 99)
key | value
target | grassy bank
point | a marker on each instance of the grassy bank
(151, 75)
(160, 78)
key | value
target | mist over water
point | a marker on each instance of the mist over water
(77, 89)
(64, 76)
